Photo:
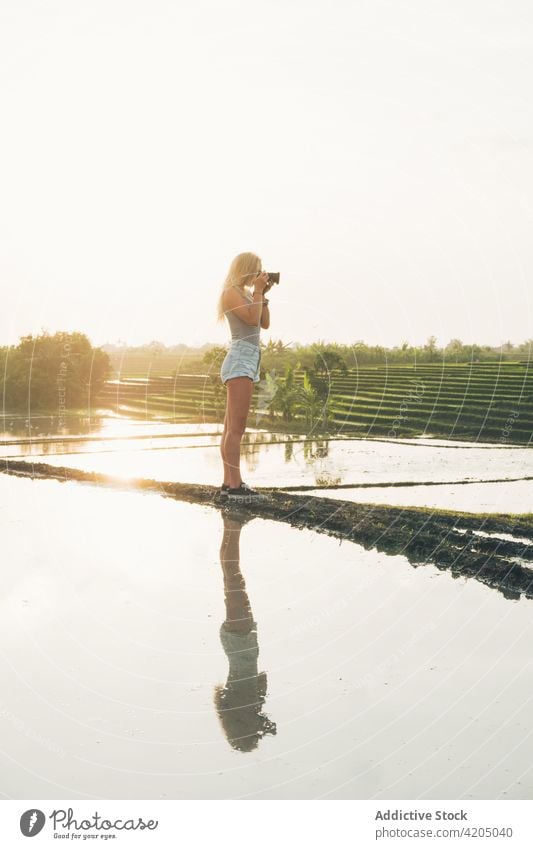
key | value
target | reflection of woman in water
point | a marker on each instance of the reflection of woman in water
(239, 703)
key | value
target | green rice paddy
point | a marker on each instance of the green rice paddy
(471, 401)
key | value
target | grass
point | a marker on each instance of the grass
(507, 522)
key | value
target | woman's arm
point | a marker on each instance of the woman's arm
(249, 313)
(265, 317)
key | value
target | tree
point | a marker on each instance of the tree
(156, 348)
(454, 349)
(214, 357)
(327, 360)
(56, 372)
(286, 394)
(430, 348)
(310, 401)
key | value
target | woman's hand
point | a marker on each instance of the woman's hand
(260, 283)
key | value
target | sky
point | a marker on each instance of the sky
(378, 154)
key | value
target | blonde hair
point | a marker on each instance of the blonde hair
(241, 273)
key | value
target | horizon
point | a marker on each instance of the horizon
(121, 344)
(325, 342)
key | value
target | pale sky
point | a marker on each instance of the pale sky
(378, 154)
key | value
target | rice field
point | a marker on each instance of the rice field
(474, 401)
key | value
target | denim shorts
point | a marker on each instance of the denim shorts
(242, 360)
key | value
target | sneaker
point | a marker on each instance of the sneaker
(220, 494)
(247, 489)
(243, 492)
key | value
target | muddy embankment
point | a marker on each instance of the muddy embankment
(467, 545)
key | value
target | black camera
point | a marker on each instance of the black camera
(273, 276)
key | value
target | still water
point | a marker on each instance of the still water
(190, 454)
(156, 649)
(507, 497)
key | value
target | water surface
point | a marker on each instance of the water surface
(150, 649)
(506, 497)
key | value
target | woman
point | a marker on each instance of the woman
(246, 312)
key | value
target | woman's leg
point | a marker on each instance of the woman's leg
(239, 396)
(222, 444)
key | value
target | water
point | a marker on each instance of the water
(18, 429)
(508, 497)
(190, 454)
(371, 679)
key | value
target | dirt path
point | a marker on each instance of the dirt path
(459, 542)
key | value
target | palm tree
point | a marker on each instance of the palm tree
(310, 400)
(286, 395)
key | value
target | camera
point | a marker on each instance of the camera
(273, 276)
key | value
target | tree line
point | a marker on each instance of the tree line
(55, 373)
